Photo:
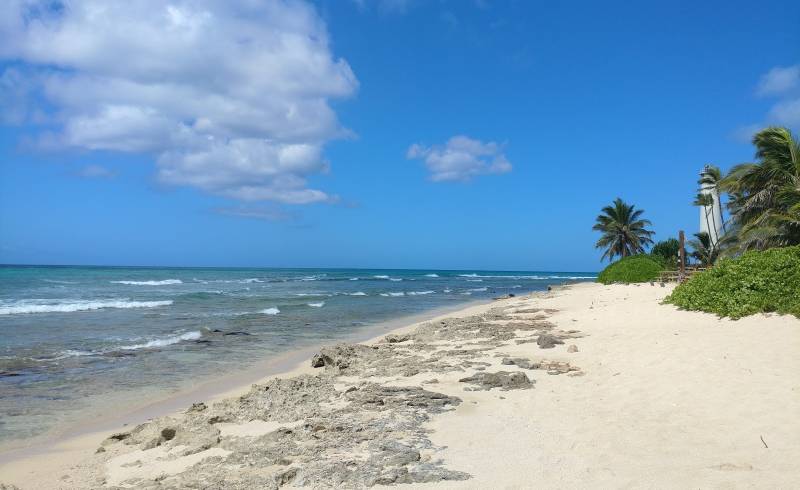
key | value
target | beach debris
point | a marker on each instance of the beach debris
(572, 348)
(501, 379)
(547, 341)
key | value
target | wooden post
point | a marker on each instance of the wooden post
(682, 251)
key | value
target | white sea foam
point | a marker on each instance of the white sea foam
(448, 291)
(55, 281)
(393, 294)
(317, 305)
(381, 277)
(420, 293)
(357, 293)
(195, 335)
(250, 280)
(165, 282)
(431, 275)
(313, 294)
(270, 311)
(479, 289)
(354, 279)
(395, 279)
(474, 280)
(528, 276)
(77, 305)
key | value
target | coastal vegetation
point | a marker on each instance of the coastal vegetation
(763, 196)
(668, 252)
(635, 268)
(623, 231)
(755, 282)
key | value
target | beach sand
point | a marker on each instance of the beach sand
(638, 395)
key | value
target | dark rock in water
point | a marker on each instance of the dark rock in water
(395, 338)
(202, 341)
(512, 295)
(216, 330)
(317, 361)
(236, 333)
(547, 341)
(120, 353)
(9, 374)
(501, 379)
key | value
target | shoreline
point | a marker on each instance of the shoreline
(210, 388)
(586, 385)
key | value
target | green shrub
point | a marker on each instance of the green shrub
(668, 251)
(755, 282)
(636, 268)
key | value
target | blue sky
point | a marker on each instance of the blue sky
(387, 133)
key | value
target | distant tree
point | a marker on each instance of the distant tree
(669, 250)
(705, 252)
(624, 232)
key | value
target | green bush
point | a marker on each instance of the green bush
(668, 251)
(755, 282)
(636, 268)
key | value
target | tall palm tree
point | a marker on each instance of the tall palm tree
(710, 178)
(703, 249)
(705, 202)
(624, 231)
(765, 196)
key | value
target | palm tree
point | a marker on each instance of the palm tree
(765, 196)
(705, 201)
(703, 249)
(624, 232)
(710, 178)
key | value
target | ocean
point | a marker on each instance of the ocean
(73, 336)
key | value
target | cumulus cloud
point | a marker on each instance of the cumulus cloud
(461, 158)
(229, 96)
(779, 80)
(782, 84)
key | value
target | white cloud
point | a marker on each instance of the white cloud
(781, 83)
(229, 96)
(786, 112)
(779, 80)
(461, 159)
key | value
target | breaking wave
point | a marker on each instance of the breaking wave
(317, 305)
(270, 311)
(164, 341)
(28, 307)
(165, 282)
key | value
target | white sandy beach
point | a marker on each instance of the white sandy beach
(653, 398)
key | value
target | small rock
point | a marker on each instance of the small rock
(501, 379)
(572, 348)
(317, 361)
(397, 338)
(547, 341)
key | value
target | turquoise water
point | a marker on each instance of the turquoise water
(71, 335)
